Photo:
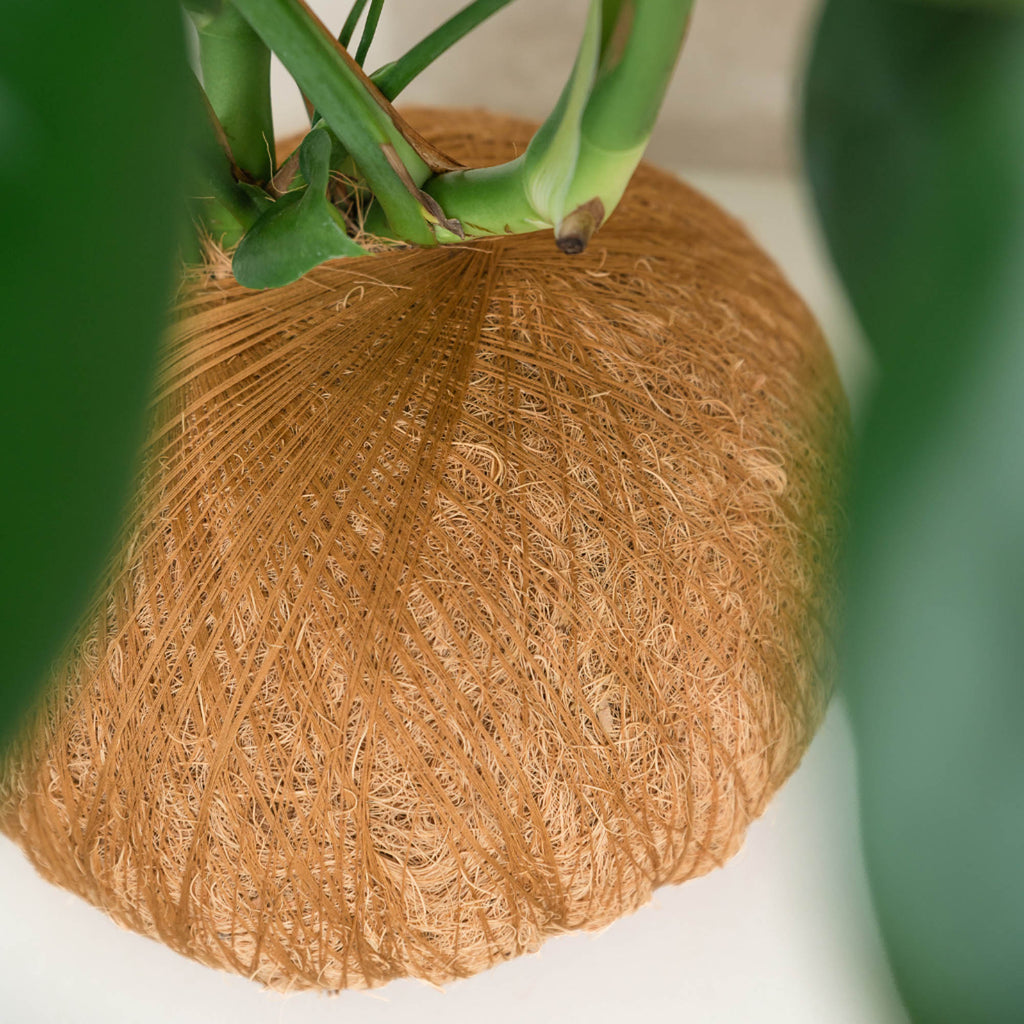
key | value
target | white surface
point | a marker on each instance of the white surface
(783, 933)
(779, 936)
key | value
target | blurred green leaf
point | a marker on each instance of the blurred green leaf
(92, 135)
(974, 5)
(914, 134)
(300, 231)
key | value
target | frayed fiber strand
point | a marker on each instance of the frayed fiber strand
(468, 595)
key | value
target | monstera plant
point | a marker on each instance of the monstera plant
(119, 169)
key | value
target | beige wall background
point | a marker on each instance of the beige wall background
(731, 105)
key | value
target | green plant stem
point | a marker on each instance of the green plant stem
(639, 56)
(369, 31)
(488, 200)
(221, 204)
(348, 29)
(393, 78)
(641, 43)
(610, 12)
(345, 37)
(236, 79)
(330, 78)
(637, 62)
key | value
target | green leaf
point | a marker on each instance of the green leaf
(300, 231)
(975, 5)
(220, 204)
(914, 133)
(92, 130)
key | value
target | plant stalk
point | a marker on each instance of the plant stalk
(236, 78)
(348, 29)
(369, 31)
(223, 206)
(640, 43)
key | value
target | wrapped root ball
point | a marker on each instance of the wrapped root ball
(469, 594)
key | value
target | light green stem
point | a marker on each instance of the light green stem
(641, 41)
(639, 57)
(369, 31)
(236, 77)
(223, 206)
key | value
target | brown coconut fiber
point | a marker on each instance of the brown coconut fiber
(470, 594)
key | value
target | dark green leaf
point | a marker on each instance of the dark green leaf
(300, 231)
(92, 135)
(915, 139)
(975, 5)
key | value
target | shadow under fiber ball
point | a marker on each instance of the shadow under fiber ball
(469, 594)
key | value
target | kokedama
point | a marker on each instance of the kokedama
(470, 590)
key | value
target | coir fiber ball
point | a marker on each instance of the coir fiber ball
(470, 594)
